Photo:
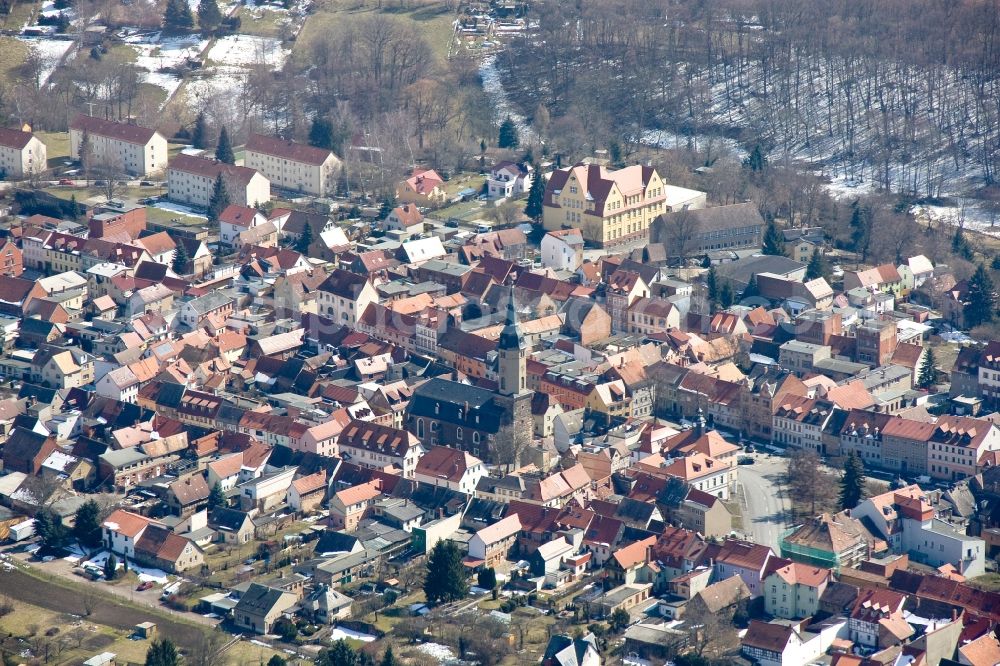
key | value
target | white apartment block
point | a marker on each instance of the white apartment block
(191, 180)
(21, 153)
(293, 166)
(139, 151)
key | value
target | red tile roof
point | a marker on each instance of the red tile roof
(14, 138)
(289, 150)
(120, 131)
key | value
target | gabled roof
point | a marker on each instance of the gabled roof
(442, 462)
(202, 166)
(121, 131)
(289, 150)
(126, 523)
(14, 138)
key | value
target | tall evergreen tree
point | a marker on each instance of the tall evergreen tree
(852, 483)
(199, 135)
(220, 198)
(726, 295)
(446, 577)
(508, 137)
(774, 242)
(304, 241)
(861, 230)
(224, 149)
(321, 133)
(536, 196)
(751, 290)
(111, 567)
(86, 154)
(216, 496)
(343, 188)
(960, 244)
(389, 659)
(49, 526)
(386, 207)
(817, 267)
(928, 372)
(180, 260)
(980, 305)
(162, 652)
(712, 285)
(87, 527)
(209, 16)
(177, 16)
(276, 660)
(756, 161)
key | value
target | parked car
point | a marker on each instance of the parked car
(744, 460)
(66, 181)
(144, 585)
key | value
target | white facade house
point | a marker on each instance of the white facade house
(138, 151)
(452, 468)
(509, 179)
(344, 296)
(906, 520)
(562, 250)
(191, 180)
(21, 154)
(234, 220)
(293, 166)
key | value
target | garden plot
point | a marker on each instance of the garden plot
(51, 51)
(144, 573)
(156, 53)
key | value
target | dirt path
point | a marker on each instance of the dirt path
(61, 596)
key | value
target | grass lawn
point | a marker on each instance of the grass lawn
(165, 216)
(12, 55)
(56, 145)
(19, 16)
(989, 582)
(434, 21)
(263, 22)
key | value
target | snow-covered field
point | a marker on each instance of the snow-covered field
(51, 51)
(493, 85)
(155, 51)
(247, 50)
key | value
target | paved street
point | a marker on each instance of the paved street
(764, 500)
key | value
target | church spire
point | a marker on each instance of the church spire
(511, 337)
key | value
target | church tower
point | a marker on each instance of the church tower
(512, 350)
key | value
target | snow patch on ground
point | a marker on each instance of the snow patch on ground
(442, 653)
(179, 209)
(343, 632)
(493, 86)
(51, 52)
(155, 52)
(667, 139)
(247, 50)
(145, 574)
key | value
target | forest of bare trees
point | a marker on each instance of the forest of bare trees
(902, 95)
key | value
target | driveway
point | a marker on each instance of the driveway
(763, 498)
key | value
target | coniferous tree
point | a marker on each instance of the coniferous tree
(177, 16)
(508, 137)
(162, 653)
(321, 133)
(209, 16)
(487, 578)
(180, 260)
(861, 230)
(49, 526)
(276, 660)
(712, 285)
(446, 579)
(817, 267)
(852, 483)
(751, 290)
(111, 567)
(980, 306)
(224, 149)
(199, 135)
(536, 197)
(960, 244)
(219, 200)
(706, 262)
(756, 161)
(389, 659)
(87, 527)
(343, 188)
(216, 497)
(304, 240)
(774, 242)
(386, 207)
(85, 154)
(928, 372)
(726, 295)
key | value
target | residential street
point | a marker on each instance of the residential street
(764, 500)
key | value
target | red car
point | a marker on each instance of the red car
(66, 181)
(145, 585)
